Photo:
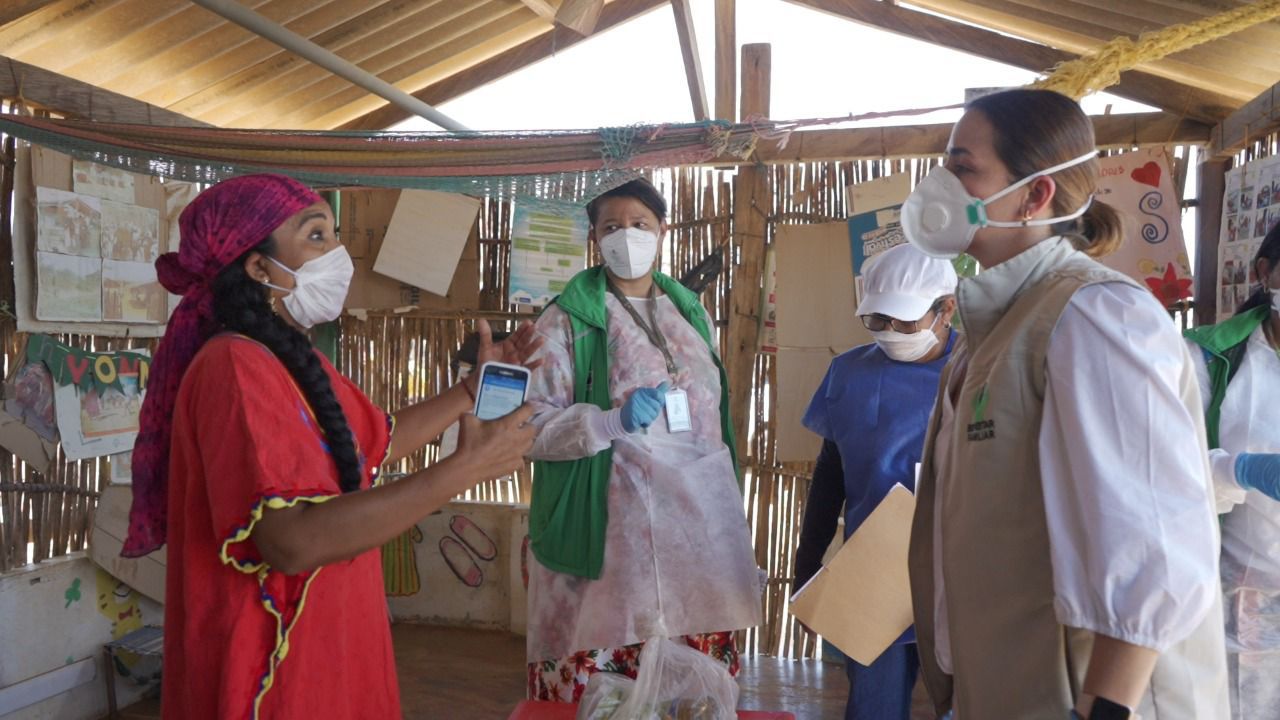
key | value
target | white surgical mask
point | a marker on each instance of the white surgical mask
(629, 252)
(907, 347)
(940, 217)
(319, 287)
(1275, 300)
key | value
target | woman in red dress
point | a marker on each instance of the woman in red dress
(257, 462)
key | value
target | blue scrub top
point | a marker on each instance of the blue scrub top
(876, 411)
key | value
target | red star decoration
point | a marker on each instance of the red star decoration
(1170, 288)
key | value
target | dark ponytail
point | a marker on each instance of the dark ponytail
(241, 304)
(1269, 251)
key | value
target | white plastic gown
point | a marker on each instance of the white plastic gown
(1250, 530)
(677, 538)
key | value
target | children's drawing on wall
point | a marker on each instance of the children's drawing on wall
(130, 232)
(72, 594)
(97, 395)
(105, 182)
(113, 412)
(68, 223)
(70, 287)
(459, 555)
(28, 396)
(118, 603)
(400, 564)
(131, 293)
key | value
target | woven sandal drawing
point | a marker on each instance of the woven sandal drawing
(460, 562)
(476, 539)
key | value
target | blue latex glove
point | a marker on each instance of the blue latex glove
(643, 407)
(1259, 471)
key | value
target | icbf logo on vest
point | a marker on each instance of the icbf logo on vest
(981, 428)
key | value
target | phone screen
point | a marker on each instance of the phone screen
(501, 391)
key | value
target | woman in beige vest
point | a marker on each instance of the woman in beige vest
(1064, 549)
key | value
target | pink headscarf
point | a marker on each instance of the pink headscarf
(220, 225)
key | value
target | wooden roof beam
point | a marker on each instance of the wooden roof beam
(73, 98)
(542, 8)
(873, 143)
(692, 62)
(580, 16)
(726, 60)
(545, 45)
(16, 9)
(1203, 105)
(1258, 118)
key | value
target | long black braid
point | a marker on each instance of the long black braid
(241, 304)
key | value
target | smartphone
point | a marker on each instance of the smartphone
(502, 390)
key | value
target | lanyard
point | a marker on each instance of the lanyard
(651, 332)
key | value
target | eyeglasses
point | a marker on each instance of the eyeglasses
(877, 322)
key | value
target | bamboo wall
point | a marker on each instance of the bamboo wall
(400, 358)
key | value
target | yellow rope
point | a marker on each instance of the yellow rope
(1101, 68)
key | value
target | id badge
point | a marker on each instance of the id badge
(678, 419)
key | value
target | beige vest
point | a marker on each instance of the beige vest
(1011, 657)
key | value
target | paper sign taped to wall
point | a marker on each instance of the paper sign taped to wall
(425, 239)
(861, 601)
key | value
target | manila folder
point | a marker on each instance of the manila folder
(861, 601)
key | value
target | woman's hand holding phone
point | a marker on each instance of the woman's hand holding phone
(490, 449)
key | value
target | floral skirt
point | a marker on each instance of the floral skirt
(564, 679)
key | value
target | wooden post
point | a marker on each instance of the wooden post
(692, 63)
(726, 60)
(1211, 183)
(751, 206)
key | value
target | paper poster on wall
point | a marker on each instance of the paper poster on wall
(68, 223)
(1139, 185)
(90, 178)
(769, 315)
(131, 293)
(121, 468)
(28, 396)
(874, 219)
(547, 250)
(130, 232)
(425, 238)
(70, 287)
(1250, 208)
(873, 232)
(97, 395)
(70, 215)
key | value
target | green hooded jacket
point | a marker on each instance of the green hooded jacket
(569, 509)
(1224, 346)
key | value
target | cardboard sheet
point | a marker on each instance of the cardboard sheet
(365, 216)
(880, 193)
(861, 601)
(800, 371)
(425, 239)
(814, 303)
(815, 294)
(110, 525)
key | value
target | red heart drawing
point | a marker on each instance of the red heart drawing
(1148, 174)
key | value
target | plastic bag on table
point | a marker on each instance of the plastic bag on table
(675, 682)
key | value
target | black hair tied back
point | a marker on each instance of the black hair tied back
(241, 304)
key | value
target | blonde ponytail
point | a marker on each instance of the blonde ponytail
(1100, 230)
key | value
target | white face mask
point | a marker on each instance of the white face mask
(907, 347)
(1275, 300)
(629, 252)
(940, 217)
(319, 287)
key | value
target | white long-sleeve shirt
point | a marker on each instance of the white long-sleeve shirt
(1126, 487)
